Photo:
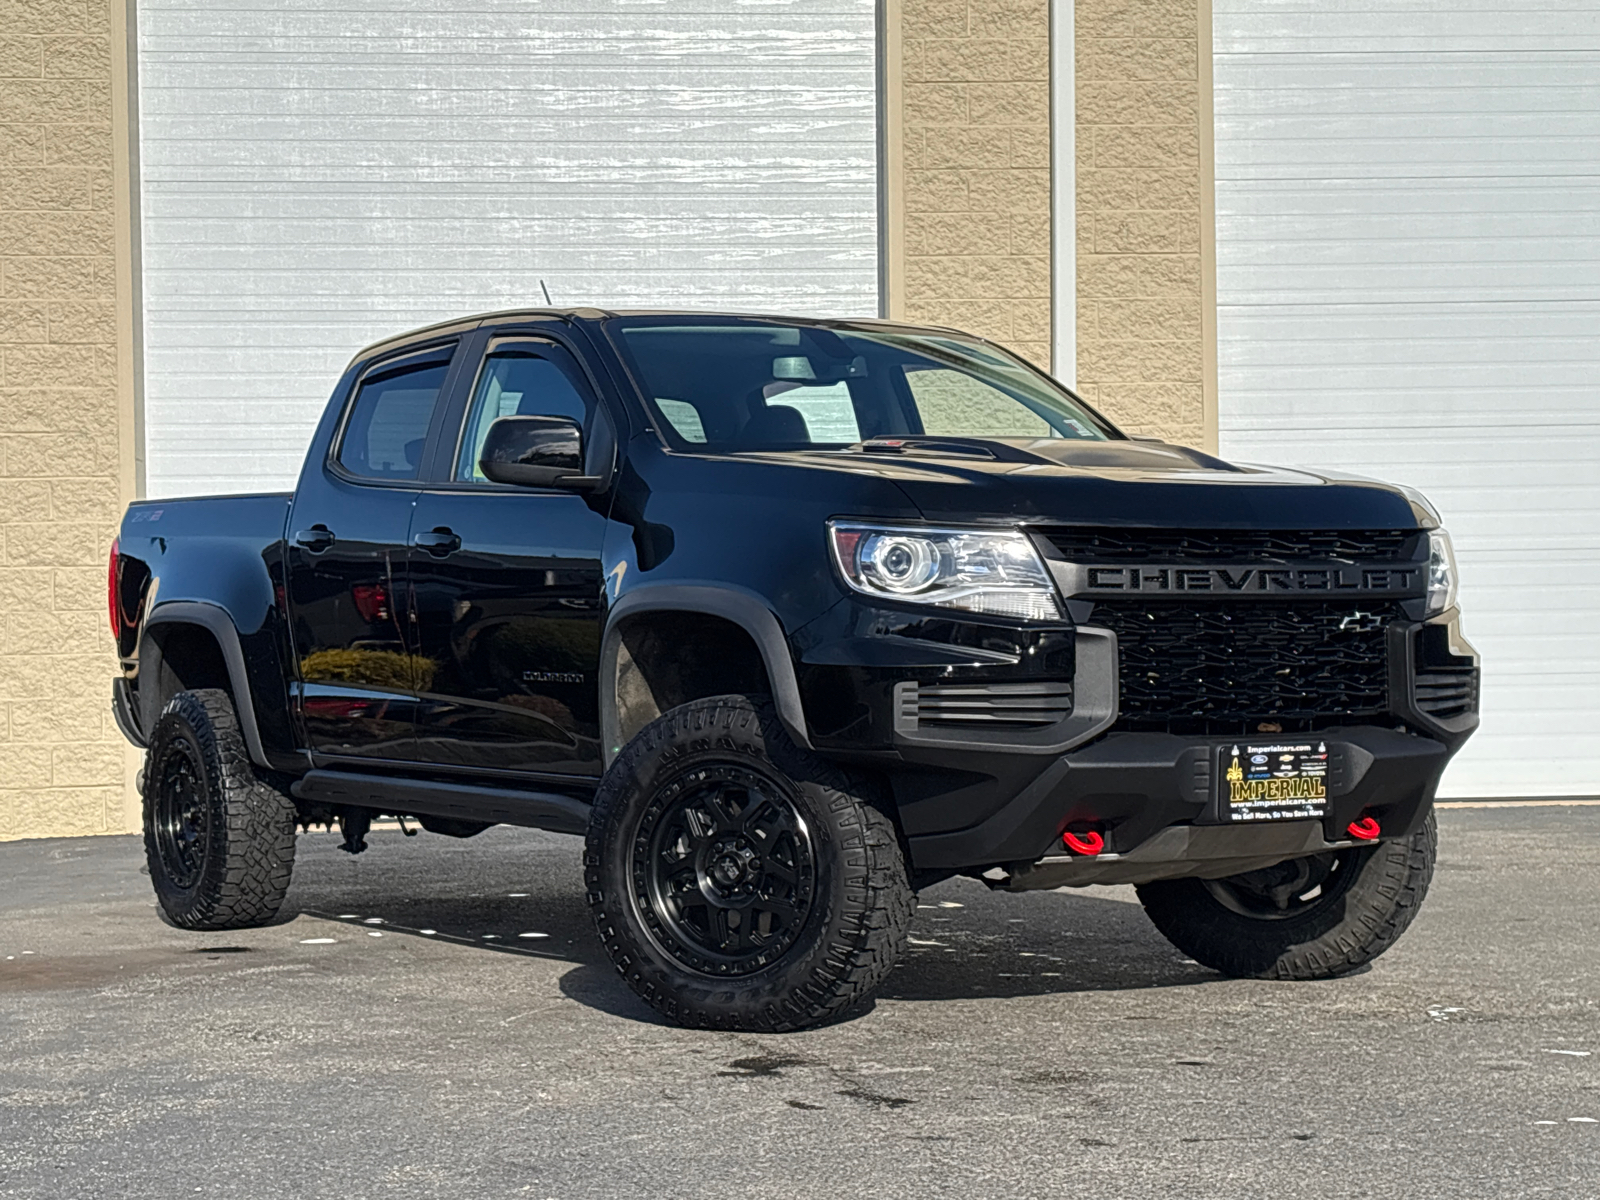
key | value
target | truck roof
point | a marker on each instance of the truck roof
(585, 313)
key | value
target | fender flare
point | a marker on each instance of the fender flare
(215, 620)
(742, 608)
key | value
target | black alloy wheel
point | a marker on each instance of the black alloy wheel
(179, 813)
(218, 839)
(1289, 889)
(740, 881)
(1316, 917)
(723, 871)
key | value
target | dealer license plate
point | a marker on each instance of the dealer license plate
(1278, 781)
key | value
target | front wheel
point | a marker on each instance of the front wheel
(738, 881)
(1308, 918)
(219, 842)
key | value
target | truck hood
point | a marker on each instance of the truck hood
(1131, 483)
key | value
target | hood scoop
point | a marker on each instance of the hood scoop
(1140, 454)
(967, 447)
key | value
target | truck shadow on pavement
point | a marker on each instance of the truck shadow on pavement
(966, 941)
(1064, 944)
(1069, 944)
(520, 894)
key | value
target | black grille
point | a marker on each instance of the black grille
(985, 706)
(1087, 544)
(1227, 668)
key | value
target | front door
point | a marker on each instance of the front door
(347, 551)
(506, 585)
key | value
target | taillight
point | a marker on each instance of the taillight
(111, 591)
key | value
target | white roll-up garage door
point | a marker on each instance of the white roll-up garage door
(1408, 276)
(317, 174)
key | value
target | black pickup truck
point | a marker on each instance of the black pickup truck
(791, 618)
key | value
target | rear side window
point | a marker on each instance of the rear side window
(388, 426)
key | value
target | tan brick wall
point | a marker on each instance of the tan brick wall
(62, 424)
(1142, 354)
(974, 86)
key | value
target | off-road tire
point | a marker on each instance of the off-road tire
(859, 910)
(242, 849)
(1366, 916)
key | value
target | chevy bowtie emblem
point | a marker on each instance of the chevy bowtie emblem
(1360, 622)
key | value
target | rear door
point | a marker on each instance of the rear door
(507, 582)
(347, 550)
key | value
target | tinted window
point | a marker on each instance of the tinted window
(828, 412)
(954, 404)
(684, 418)
(754, 385)
(521, 381)
(388, 425)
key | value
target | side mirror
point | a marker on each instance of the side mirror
(536, 452)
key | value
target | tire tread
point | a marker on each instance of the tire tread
(247, 886)
(1378, 907)
(878, 902)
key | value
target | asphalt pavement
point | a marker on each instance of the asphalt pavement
(435, 1018)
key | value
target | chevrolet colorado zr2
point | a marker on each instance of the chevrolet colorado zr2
(791, 618)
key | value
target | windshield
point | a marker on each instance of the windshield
(758, 385)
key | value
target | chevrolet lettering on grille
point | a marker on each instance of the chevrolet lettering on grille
(1077, 579)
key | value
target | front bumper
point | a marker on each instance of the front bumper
(1133, 786)
(1177, 852)
(974, 794)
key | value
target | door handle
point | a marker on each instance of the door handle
(316, 539)
(438, 542)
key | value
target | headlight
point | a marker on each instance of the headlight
(1441, 572)
(995, 572)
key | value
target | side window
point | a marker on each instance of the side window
(954, 404)
(525, 380)
(388, 425)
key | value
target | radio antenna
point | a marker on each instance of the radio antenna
(546, 292)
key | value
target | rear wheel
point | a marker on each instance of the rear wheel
(1308, 918)
(738, 881)
(219, 842)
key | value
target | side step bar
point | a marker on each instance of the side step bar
(426, 798)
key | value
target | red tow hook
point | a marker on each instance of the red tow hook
(1364, 830)
(1088, 844)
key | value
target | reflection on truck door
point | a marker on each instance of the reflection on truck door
(508, 590)
(347, 544)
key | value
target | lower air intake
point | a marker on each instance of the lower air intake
(1447, 691)
(983, 706)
